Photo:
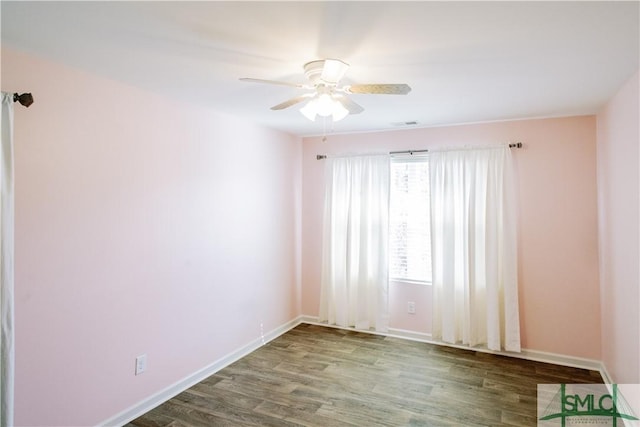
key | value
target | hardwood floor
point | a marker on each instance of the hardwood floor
(319, 376)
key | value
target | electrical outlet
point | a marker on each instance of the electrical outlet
(141, 364)
(411, 307)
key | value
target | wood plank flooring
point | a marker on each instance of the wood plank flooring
(320, 376)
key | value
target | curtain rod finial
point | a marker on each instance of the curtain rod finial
(25, 99)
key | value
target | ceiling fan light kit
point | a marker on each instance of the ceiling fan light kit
(328, 99)
(324, 105)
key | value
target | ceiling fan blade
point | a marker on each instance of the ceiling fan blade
(333, 70)
(379, 89)
(351, 106)
(292, 101)
(274, 82)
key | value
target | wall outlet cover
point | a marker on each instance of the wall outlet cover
(141, 364)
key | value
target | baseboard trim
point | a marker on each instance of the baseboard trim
(178, 387)
(410, 335)
(559, 359)
(605, 374)
(527, 354)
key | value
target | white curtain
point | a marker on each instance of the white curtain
(355, 242)
(6, 264)
(474, 253)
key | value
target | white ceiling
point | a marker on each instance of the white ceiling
(465, 61)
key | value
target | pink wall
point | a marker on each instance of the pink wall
(143, 225)
(618, 200)
(558, 251)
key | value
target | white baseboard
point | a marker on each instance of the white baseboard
(605, 374)
(162, 396)
(527, 354)
(559, 359)
(410, 335)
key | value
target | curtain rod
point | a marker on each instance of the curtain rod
(25, 99)
(410, 152)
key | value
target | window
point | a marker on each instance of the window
(409, 218)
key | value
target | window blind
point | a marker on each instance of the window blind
(409, 220)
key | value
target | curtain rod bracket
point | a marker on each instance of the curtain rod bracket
(515, 145)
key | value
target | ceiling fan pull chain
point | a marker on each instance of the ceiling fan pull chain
(324, 129)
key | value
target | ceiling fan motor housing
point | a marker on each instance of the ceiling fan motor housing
(327, 71)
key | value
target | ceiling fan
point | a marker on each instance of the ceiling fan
(326, 97)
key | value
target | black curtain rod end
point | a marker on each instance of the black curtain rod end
(25, 99)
